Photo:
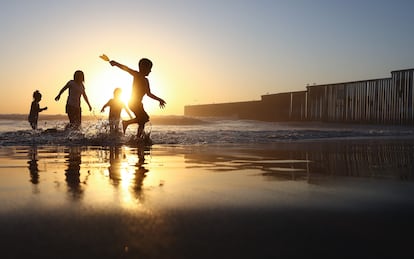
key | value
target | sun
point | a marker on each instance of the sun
(101, 85)
(100, 89)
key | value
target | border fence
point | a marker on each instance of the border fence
(383, 101)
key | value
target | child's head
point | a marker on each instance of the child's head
(145, 66)
(37, 96)
(117, 93)
(79, 76)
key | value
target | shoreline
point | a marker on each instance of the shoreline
(324, 199)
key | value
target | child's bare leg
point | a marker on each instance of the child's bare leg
(126, 123)
(140, 131)
(124, 126)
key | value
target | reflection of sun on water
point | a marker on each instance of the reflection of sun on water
(127, 177)
(134, 180)
(127, 172)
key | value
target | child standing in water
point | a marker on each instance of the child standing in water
(115, 107)
(73, 104)
(35, 109)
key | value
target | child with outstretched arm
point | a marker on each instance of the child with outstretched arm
(140, 88)
(115, 108)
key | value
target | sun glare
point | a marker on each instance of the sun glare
(101, 86)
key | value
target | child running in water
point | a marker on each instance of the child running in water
(115, 107)
(35, 109)
(73, 104)
(140, 88)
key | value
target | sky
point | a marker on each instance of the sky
(203, 52)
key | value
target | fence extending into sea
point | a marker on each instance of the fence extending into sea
(378, 101)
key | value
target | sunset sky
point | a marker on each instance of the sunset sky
(203, 51)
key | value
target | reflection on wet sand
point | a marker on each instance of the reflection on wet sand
(115, 164)
(140, 174)
(314, 163)
(33, 166)
(72, 173)
(119, 169)
(126, 169)
(233, 202)
(311, 161)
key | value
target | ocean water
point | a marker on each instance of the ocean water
(281, 150)
(273, 189)
(184, 131)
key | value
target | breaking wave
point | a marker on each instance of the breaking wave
(190, 131)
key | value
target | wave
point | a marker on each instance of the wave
(160, 119)
(66, 138)
(97, 134)
(177, 120)
(18, 117)
(184, 130)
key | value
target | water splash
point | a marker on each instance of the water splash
(97, 133)
(94, 134)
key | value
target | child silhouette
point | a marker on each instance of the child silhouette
(73, 105)
(35, 109)
(140, 88)
(115, 107)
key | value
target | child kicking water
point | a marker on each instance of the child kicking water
(140, 88)
(115, 107)
(35, 109)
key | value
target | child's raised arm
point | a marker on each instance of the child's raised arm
(121, 66)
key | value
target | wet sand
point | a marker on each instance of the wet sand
(306, 199)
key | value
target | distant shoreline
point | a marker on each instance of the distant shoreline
(44, 117)
(157, 119)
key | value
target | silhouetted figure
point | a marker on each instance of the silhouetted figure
(140, 88)
(115, 107)
(35, 109)
(73, 105)
(73, 172)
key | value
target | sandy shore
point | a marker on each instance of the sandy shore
(348, 198)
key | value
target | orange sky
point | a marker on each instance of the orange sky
(203, 51)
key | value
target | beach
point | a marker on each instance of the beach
(321, 198)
